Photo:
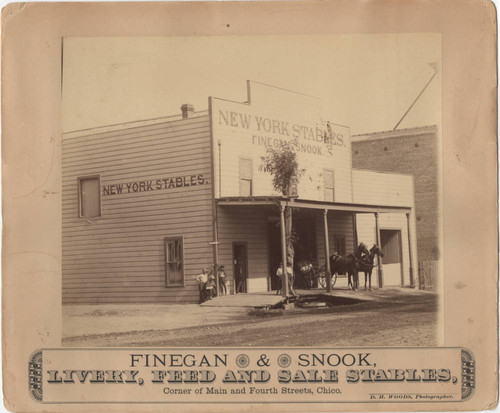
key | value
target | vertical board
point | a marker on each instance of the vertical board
(338, 224)
(155, 183)
(428, 275)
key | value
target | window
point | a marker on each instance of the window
(329, 185)
(89, 196)
(174, 262)
(246, 188)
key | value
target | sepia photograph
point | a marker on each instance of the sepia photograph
(250, 206)
(194, 167)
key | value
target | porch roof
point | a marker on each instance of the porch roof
(308, 204)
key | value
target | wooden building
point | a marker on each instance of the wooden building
(148, 204)
(412, 151)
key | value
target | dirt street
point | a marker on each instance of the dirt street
(395, 318)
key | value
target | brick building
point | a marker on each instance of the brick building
(409, 151)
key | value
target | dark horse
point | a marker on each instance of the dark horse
(349, 264)
(366, 264)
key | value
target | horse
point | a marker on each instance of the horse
(349, 264)
(366, 264)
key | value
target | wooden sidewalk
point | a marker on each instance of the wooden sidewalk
(269, 299)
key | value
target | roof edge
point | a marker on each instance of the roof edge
(133, 124)
(421, 130)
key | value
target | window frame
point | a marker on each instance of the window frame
(165, 246)
(80, 198)
(241, 158)
(325, 187)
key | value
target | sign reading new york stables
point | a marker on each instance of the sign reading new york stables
(154, 184)
(305, 138)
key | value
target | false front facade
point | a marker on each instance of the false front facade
(147, 205)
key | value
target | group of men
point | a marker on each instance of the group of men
(207, 283)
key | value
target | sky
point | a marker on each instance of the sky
(366, 82)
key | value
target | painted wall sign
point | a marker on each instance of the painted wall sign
(270, 116)
(299, 133)
(154, 184)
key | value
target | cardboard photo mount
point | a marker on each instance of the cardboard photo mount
(32, 36)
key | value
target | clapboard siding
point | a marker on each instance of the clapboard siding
(130, 161)
(128, 169)
(117, 141)
(143, 203)
(130, 225)
(118, 238)
(119, 257)
(158, 214)
(122, 135)
(122, 247)
(245, 224)
(138, 214)
(138, 153)
(338, 224)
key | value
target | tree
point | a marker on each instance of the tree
(281, 162)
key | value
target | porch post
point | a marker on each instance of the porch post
(284, 278)
(379, 261)
(412, 281)
(327, 253)
(216, 252)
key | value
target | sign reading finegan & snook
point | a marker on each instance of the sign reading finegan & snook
(231, 375)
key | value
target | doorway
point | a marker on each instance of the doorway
(240, 267)
(392, 262)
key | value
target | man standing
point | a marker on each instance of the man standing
(289, 272)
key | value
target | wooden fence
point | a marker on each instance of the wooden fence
(428, 275)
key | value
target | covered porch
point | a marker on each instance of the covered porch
(250, 236)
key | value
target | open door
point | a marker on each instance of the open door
(240, 267)
(392, 262)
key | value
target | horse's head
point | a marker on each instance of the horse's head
(362, 249)
(376, 250)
